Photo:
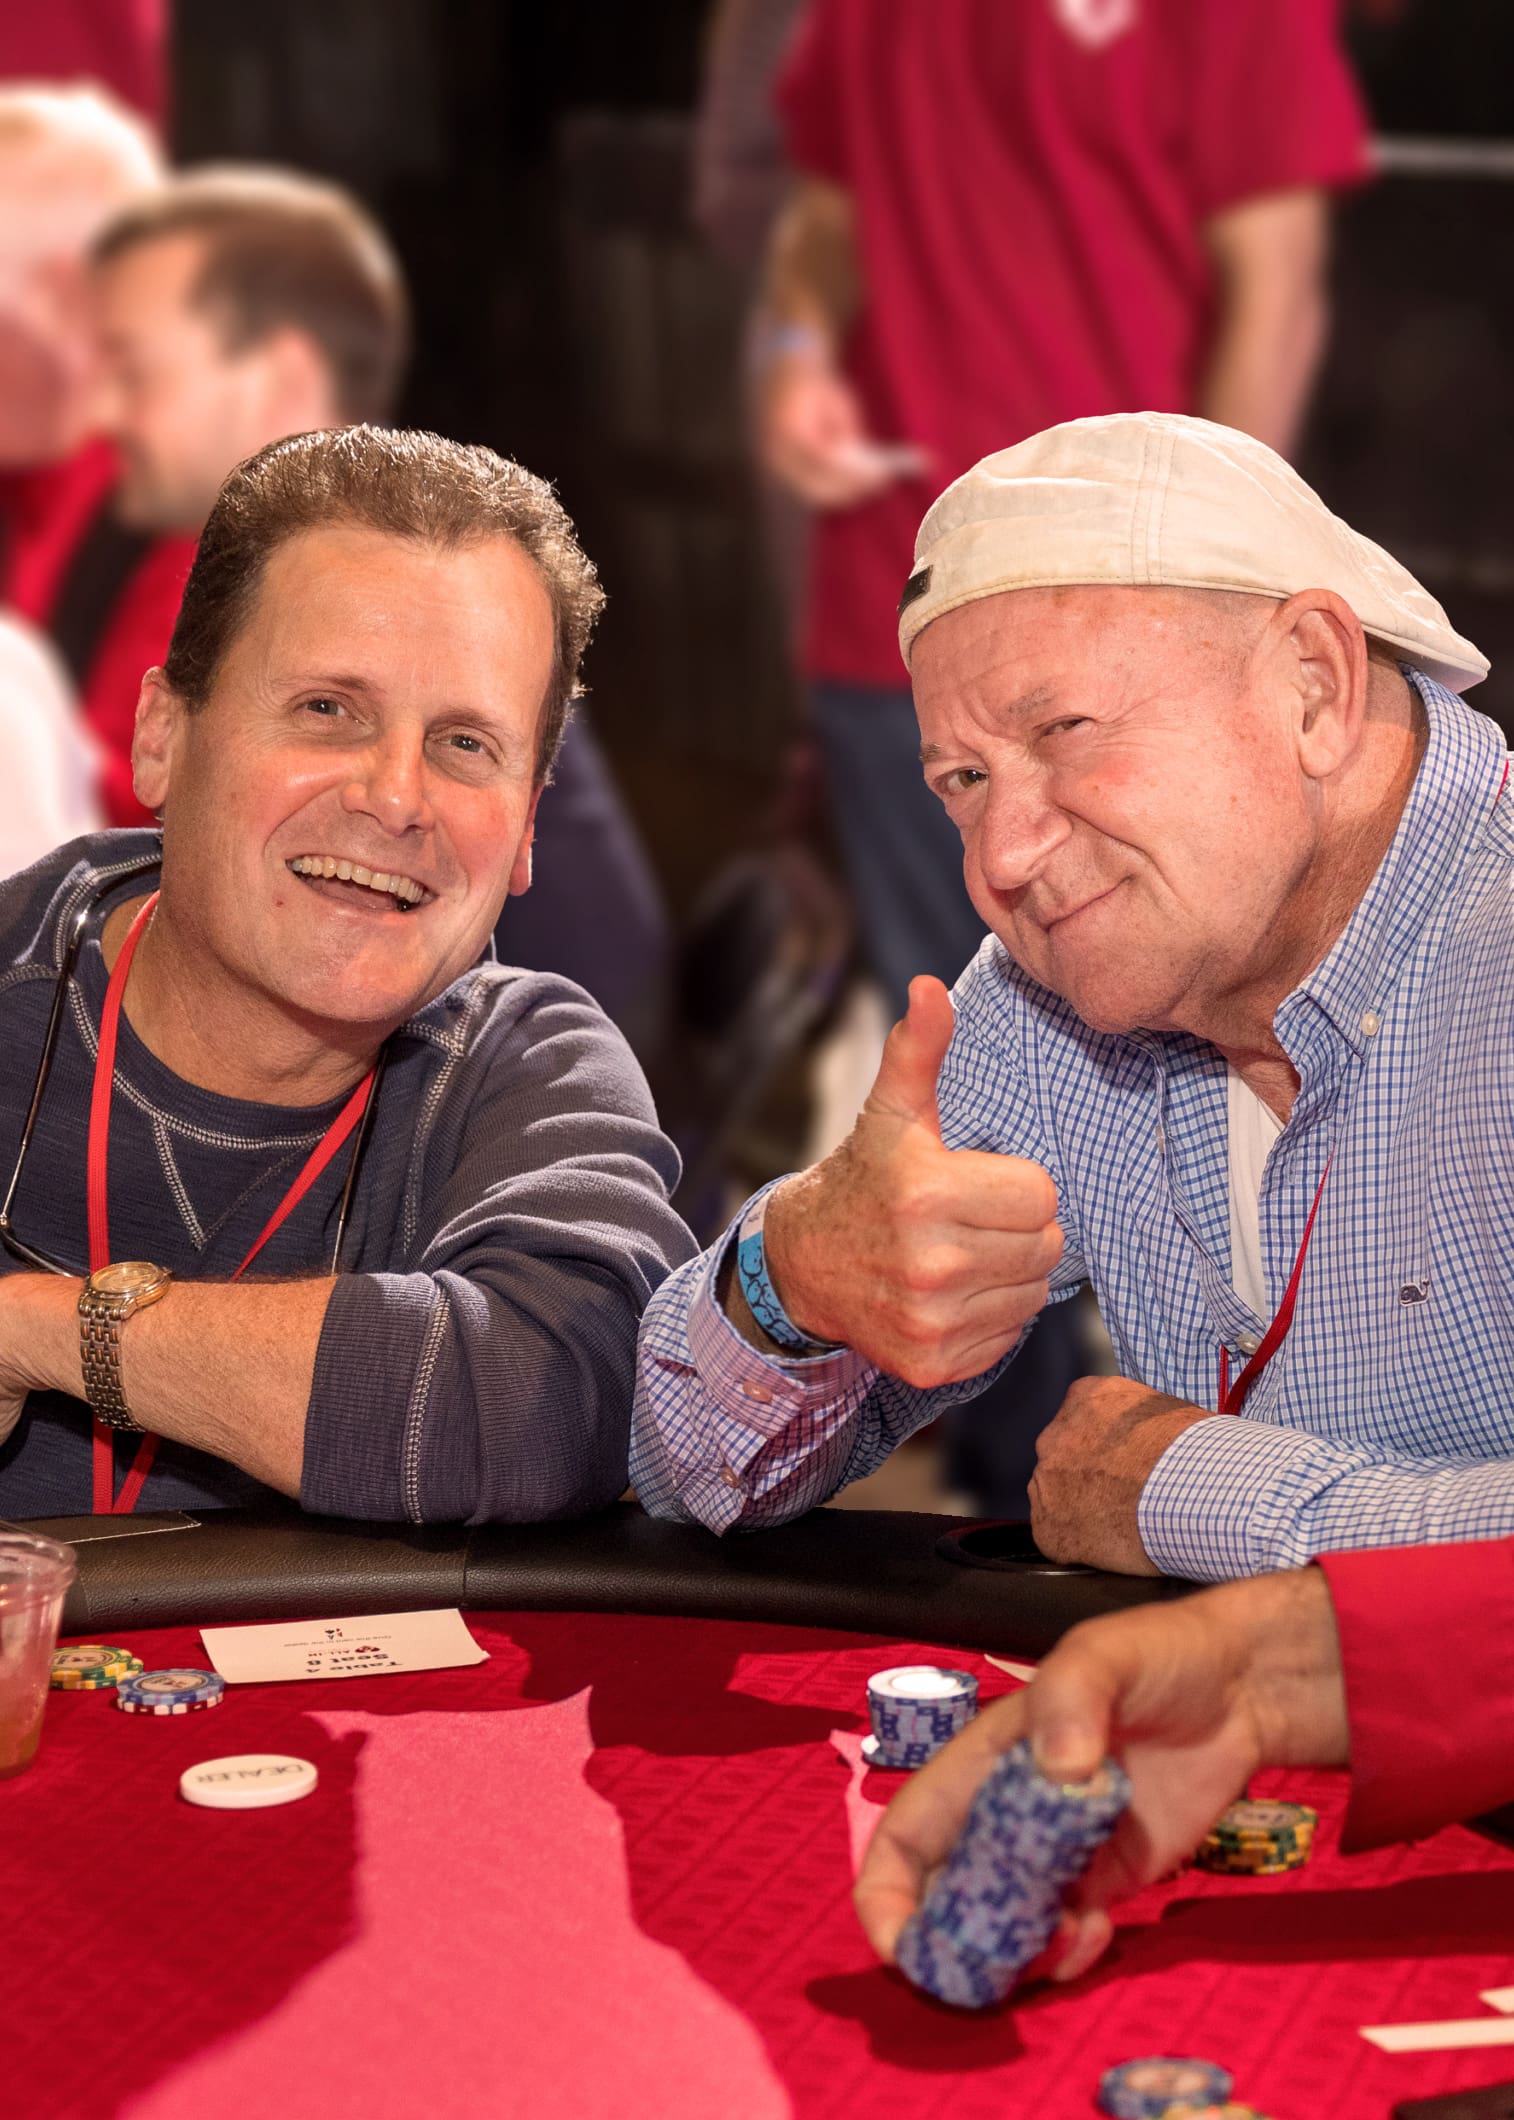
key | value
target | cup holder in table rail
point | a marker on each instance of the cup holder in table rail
(1007, 1548)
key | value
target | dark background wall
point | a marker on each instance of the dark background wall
(529, 161)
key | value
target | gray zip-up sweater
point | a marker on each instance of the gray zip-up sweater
(510, 1222)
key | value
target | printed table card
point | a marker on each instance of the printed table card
(341, 1648)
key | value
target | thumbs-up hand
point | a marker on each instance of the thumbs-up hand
(927, 1260)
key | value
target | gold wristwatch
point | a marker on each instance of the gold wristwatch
(110, 1297)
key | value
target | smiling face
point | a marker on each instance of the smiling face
(1123, 766)
(344, 815)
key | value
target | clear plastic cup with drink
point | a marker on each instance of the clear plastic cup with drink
(35, 1573)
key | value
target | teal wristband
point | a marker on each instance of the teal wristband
(757, 1287)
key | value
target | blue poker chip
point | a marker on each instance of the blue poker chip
(1149, 2089)
(915, 1709)
(174, 1692)
(997, 1899)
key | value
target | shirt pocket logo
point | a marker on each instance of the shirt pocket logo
(1095, 23)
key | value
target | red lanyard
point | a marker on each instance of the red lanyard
(106, 1503)
(1277, 1331)
(1231, 1401)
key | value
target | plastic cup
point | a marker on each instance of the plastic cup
(35, 1573)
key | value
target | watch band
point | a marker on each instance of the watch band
(100, 1322)
(757, 1286)
(109, 1297)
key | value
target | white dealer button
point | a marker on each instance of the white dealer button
(249, 1781)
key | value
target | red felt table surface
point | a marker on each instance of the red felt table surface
(607, 1873)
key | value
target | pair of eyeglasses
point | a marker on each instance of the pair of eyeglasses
(27, 1253)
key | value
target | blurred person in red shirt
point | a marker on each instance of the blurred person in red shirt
(69, 159)
(121, 44)
(1012, 213)
(241, 304)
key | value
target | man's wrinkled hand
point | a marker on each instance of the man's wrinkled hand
(1092, 1463)
(1191, 1697)
(15, 1380)
(929, 1261)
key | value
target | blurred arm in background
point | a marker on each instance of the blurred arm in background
(1272, 314)
(812, 433)
(741, 173)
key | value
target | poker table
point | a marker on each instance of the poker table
(607, 1871)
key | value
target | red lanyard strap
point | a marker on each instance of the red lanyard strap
(106, 1502)
(1232, 1400)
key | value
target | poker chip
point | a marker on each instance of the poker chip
(1259, 1839)
(178, 1692)
(1162, 2086)
(997, 1900)
(91, 1667)
(915, 1709)
(248, 1781)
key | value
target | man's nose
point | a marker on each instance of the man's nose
(1019, 829)
(392, 784)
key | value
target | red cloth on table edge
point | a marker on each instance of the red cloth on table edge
(47, 513)
(1030, 198)
(1427, 1647)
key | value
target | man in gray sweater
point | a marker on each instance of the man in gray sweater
(300, 1194)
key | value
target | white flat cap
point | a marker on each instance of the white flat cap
(1156, 499)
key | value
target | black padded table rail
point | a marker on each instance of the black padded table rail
(872, 1572)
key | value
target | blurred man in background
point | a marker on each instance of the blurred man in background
(1014, 213)
(238, 305)
(233, 306)
(69, 159)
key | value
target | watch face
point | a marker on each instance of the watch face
(127, 1278)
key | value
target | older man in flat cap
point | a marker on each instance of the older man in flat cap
(1237, 1052)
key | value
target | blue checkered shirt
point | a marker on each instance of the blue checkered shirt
(1387, 1416)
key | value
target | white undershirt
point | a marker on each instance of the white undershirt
(1254, 1126)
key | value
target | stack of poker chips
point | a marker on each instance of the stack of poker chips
(1162, 2087)
(997, 1900)
(1259, 1840)
(915, 1710)
(91, 1668)
(180, 1692)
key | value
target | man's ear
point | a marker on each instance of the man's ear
(1326, 666)
(520, 868)
(155, 739)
